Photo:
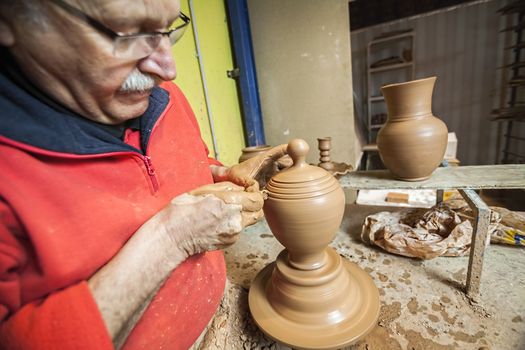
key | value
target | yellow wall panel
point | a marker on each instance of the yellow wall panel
(216, 56)
(188, 79)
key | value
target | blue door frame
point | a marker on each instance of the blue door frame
(243, 49)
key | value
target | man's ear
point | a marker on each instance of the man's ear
(7, 37)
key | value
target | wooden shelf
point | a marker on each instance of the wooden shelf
(506, 118)
(376, 126)
(395, 50)
(391, 67)
(461, 177)
(390, 38)
(516, 82)
(513, 65)
(512, 114)
(514, 28)
(520, 45)
(508, 114)
(377, 98)
(514, 7)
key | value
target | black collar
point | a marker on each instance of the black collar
(31, 117)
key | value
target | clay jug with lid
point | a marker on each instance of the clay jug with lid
(304, 208)
(310, 297)
(413, 141)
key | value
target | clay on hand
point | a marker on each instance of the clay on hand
(255, 172)
(210, 217)
(284, 162)
(230, 193)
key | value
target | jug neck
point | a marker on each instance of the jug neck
(410, 99)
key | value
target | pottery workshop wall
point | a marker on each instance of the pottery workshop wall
(303, 64)
(202, 58)
(463, 48)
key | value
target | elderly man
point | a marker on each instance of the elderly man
(111, 213)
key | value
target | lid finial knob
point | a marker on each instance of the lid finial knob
(297, 150)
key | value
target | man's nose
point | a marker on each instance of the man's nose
(160, 62)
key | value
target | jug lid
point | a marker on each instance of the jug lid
(301, 180)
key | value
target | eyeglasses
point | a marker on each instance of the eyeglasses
(130, 46)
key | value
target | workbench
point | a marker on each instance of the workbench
(411, 290)
(465, 179)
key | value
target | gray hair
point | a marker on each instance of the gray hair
(30, 11)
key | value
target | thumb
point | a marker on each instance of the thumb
(276, 152)
(253, 165)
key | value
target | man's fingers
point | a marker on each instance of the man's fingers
(250, 218)
(250, 201)
(225, 186)
(276, 152)
(284, 162)
(227, 239)
(267, 160)
(253, 186)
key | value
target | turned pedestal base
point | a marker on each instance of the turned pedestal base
(325, 308)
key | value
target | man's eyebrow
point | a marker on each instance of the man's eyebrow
(125, 20)
(119, 21)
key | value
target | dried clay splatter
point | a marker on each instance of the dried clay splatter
(382, 278)
(467, 338)
(441, 308)
(389, 313)
(417, 341)
(378, 338)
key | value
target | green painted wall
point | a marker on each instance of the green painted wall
(216, 53)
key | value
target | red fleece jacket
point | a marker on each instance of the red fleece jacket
(63, 216)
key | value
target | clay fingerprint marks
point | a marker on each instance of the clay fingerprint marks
(310, 297)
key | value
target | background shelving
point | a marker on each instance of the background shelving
(389, 60)
(511, 118)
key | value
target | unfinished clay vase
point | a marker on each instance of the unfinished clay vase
(252, 151)
(310, 298)
(412, 143)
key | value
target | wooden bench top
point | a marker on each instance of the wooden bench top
(507, 176)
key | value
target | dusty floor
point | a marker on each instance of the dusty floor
(422, 303)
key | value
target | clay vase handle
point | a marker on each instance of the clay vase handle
(298, 149)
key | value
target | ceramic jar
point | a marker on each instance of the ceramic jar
(310, 297)
(304, 208)
(252, 151)
(412, 142)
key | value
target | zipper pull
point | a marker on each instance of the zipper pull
(151, 173)
(149, 166)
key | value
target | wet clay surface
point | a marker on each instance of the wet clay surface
(422, 306)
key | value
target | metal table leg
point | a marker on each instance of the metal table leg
(439, 196)
(479, 237)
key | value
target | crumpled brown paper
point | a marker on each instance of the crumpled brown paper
(506, 226)
(443, 230)
(419, 233)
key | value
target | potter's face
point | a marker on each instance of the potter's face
(75, 64)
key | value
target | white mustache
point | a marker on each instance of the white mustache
(138, 81)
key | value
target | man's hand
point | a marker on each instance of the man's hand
(207, 218)
(210, 217)
(254, 171)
